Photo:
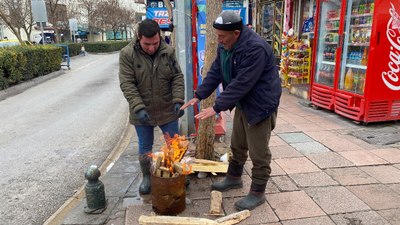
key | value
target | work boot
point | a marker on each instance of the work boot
(232, 179)
(229, 182)
(254, 198)
(145, 185)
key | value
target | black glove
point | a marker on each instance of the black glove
(143, 115)
(177, 109)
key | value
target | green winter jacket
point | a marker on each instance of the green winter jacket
(155, 85)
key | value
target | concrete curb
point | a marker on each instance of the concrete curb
(19, 88)
(73, 201)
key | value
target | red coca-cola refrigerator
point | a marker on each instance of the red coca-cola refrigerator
(356, 63)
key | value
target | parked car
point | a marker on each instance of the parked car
(9, 43)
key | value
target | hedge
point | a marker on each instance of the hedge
(105, 46)
(22, 63)
(96, 47)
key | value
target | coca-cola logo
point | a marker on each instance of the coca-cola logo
(391, 77)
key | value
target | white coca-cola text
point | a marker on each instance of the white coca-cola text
(391, 78)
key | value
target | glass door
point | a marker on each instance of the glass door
(267, 31)
(278, 28)
(357, 33)
(328, 41)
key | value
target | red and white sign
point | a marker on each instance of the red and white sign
(390, 76)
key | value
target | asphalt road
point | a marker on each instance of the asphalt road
(51, 133)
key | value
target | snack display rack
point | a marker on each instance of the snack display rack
(296, 61)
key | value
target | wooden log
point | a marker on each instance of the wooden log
(165, 172)
(158, 173)
(158, 161)
(216, 203)
(177, 220)
(233, 218)
(206, 161)
(217, 167)
(175, 175)
(174, 220)
(165, 169)
(178, 167)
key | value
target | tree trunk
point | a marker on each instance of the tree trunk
(12, 28)
(167, 4)
(206, 134)
(126, 33)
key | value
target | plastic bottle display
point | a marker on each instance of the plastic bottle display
(361, 82)
(348, 82)
(364, 59)
(359, 29)
(356, 79)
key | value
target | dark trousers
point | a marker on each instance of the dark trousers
(253, 141)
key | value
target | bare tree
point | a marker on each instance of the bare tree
(90, 10)
(51, 7)
(100, 18)
(127, 20)
(58, 14)
(26, 14)
(14, 14)
(72, 11)
(114, 18)
(206, 135)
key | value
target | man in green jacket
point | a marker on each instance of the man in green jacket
(152, 83)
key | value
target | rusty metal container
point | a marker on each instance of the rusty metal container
(168, 195)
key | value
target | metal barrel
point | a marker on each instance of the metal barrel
(168, 195)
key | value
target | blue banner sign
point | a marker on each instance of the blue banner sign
(160, 15)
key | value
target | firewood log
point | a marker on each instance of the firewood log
(233, 218)
(216, 203)
(177, 220)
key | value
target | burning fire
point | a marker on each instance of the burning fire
(172, 152)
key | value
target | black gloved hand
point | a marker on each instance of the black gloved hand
(143, 115)
(177, 109)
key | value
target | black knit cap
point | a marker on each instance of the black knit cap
(228, 20)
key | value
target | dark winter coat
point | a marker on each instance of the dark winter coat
(255, 83)
(155, 85)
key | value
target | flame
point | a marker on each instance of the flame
(173, 150)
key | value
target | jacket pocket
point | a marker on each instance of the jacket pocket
(165, 75)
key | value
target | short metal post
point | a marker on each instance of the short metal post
(95, 194)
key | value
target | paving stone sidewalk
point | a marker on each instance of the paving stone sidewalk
(322, 174)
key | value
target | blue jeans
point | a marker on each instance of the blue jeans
(145, 135)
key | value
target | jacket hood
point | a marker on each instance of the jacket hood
(243, 38)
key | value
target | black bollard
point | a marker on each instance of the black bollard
(95, 194)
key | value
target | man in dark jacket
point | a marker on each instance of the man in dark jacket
(152, 83)
(245, 65)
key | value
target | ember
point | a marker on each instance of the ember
(167, 162)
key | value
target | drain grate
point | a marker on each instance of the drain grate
(379, 136)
